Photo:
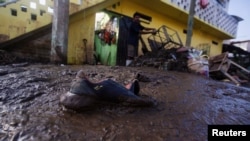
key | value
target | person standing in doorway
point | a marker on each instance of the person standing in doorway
(135, 30)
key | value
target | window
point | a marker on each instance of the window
(33, 17)
(33, 5)
(42, 2)
(50, 10)
(23, 8)
(42, 12)
(13, 12)
(215, 43)
(184, 31)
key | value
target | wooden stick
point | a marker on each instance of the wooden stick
(231, 78)
(237, 65)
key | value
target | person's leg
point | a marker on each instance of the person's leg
(130, 54)
(136, 51)
(134, 87)
(115, 92)
(84, 86)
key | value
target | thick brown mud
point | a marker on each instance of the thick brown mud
(186, 105)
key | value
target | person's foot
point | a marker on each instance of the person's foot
(134, 87)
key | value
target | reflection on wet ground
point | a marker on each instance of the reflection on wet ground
(187, 103)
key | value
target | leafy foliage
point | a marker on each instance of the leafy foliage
(2, 1)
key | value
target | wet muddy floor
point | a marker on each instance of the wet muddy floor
(186, 104)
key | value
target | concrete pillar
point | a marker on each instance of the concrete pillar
(59, 41)
(190, 23)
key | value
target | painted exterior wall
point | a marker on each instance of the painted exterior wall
(80, 30)
(78, 5)
(24, 16)
(82, 24)
(19, 18)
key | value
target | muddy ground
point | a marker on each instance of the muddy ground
(186, 104)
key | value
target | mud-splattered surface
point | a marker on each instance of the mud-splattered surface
(187, 103)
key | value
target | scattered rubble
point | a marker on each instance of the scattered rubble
(221, 66)
(191, 60)
(6, 58)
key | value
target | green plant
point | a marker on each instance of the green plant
(2, 1)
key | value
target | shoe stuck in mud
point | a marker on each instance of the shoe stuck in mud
(85, 94)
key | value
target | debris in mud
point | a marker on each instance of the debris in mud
(222, 67)
(6, 57)
(191, 60)
(164, 59)
(20, 64)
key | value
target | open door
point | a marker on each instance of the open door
(124, 23)
(106, 34)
